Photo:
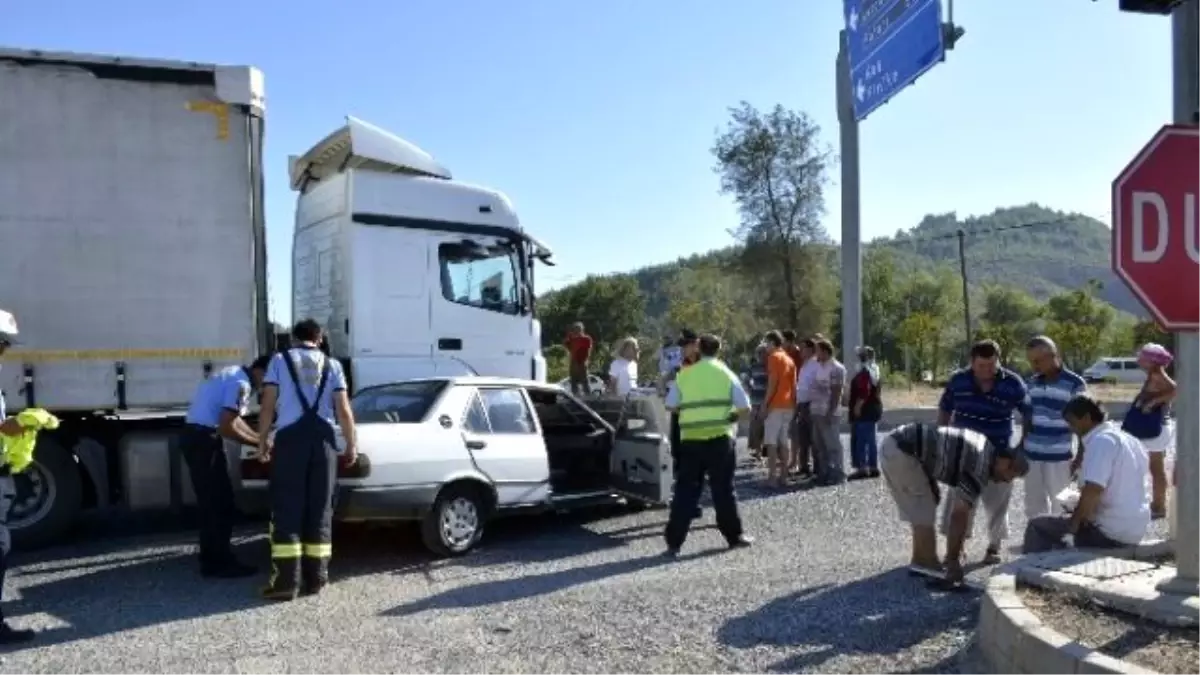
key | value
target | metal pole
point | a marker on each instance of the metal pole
(852, 330)
(1185, 31)
(962, 268)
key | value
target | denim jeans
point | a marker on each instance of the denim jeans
(864, 448)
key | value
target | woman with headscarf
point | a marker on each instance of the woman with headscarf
(1147, 419)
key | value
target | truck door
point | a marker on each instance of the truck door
(640, 463)
(478, 317)
(506, 445)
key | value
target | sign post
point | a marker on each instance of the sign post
(885, 46)
(1156, 251)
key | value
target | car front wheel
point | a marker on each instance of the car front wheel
(455, 523)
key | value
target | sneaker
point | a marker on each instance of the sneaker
(671, 554)
(873, 473)
(742, 542)
(992, 555)
(858, 475)
(229, 570)
(13, 636)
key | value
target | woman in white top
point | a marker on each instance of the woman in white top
(623, 373)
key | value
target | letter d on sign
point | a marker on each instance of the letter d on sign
(1141, 200)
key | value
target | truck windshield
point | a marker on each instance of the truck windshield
(402, 403)
(484, 275)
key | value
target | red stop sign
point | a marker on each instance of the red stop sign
(1156, 245)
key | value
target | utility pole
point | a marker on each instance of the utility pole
(1185, 40)
(852, 329)
(962, 268)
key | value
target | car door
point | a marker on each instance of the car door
(506, 445)
(640, 464)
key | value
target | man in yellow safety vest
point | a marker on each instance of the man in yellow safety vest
(710, 400)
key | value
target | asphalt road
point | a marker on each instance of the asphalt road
(823, 590)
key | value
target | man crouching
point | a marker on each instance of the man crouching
(916, 460)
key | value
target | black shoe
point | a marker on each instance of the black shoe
(698, 513)
(671, 554)
(858, 475)
(280, 594)
(313, 588)
(742, 542)
(229, 570)
(14, 636)
(873, 473)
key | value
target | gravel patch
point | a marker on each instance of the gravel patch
(822, 590)
(1123, 636)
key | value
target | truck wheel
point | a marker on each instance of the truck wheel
(49, 496)
(455, 523)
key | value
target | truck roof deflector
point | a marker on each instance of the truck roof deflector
(362, 145)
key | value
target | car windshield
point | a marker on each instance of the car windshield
(404, 402)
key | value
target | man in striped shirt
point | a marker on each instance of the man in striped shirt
(1048, 442)
(916, 460)
(983, 398)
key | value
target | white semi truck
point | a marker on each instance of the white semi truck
(133, 253)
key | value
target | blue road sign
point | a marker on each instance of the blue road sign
(891, 43)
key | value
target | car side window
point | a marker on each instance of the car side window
(476, 419)
(507, 411)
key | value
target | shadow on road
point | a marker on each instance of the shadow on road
(880, 615)
(529, 586)
(103, 584)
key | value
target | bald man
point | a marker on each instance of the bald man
(1048, 442)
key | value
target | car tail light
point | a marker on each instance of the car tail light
(252, 469)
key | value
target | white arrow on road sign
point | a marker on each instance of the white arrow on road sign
(852, 21)
(860, 91)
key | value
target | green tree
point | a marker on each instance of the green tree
(610, 307)
(774, 165)
(1147, 330)
(710, 298)
(1010, 317)
(1078, 320)
(921, 332)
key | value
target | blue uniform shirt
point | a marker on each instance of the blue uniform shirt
(308, 361)
(991, 413)
(1049, 438)
(227, 389)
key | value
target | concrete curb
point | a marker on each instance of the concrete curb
(1014, 640)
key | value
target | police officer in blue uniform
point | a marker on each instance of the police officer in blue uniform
(214, 416)
(304, 390)
(8, 427)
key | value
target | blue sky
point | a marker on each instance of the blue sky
(596, 118)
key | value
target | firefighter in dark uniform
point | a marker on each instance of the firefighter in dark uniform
(215, 415)
(689, 354)
(710, 400)
(304, 390)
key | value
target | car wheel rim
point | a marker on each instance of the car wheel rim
(36, 491)
(460, 522)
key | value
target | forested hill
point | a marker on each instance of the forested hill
(1030, 247)
(1034, 248)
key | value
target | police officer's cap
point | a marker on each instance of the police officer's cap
(687, 337)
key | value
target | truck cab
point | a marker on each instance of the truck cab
(412, 273)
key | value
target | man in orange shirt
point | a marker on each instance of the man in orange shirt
(779, 406)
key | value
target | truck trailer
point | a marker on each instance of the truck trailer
(133, 253)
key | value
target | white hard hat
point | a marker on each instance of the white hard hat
(8, 327)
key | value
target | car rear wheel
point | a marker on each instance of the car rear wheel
(455, 523)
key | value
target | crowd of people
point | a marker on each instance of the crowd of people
(1087, 480)
(798, 390)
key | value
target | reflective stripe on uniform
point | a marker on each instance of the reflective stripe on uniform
(285, 551)
(705, 401)
(318, 550)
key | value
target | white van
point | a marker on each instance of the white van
(1115, 369)
(412, 273)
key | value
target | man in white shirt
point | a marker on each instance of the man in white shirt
(1114, 504)
(803, 458)
(828, 383)
(623, 373)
